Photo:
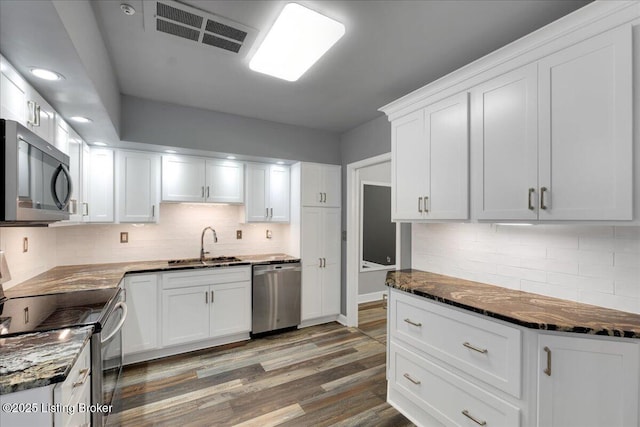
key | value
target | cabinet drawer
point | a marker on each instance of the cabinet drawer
(445, 396)
(79, 377)
(205, 276)
(487, 350)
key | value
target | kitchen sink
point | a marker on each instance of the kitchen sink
(205, 261)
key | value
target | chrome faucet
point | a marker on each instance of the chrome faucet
(215, 240)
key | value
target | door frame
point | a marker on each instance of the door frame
(353, 233)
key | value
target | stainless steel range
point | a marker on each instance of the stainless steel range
(103, 309)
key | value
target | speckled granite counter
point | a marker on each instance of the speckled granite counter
(70, 278)
(39, 359)
(521, 308)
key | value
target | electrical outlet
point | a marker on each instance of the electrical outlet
(25, 244)
(124, 237)
(238, 234)
(269, 234)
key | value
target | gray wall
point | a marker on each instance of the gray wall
(367, 140)
(161, 123)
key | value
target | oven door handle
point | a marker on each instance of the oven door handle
(122, 305)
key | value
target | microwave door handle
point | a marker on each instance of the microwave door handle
(61, 204)
(122, 305)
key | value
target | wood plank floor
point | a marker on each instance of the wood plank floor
(318, 376)
(372, 320)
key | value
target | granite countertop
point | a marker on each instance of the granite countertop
(70, 278)
(521, 308)
(39, 359)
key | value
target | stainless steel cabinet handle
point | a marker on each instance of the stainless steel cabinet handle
(271, 213)
(542, 191)
(472, 418)
(426, 199)
(420, 204)
(153, 211)
(85, 209)
(85, 374)
(266, 212)
(320, 197)
(206, 297)
(202, 192)
(26, 315)
(474, 348)
(320, 262)
(548, 370)
(409, 321)
(324, 262)
(207, 191)
(325, 197)
(212, 297)
(531, 191)
(407, 376)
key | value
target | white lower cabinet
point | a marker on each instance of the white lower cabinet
(55, 405)
(448, 366)
(140, 331)
(587, 382)
(205, 304)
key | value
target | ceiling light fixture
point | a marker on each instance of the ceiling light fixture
(297, 39)
(280, 162)
(80, 119)
(100, 144)
(231, 157)
(45, 74)
(170, 151)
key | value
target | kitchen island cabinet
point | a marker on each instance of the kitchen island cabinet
(507, 357)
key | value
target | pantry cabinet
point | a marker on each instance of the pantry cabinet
(321, 185)
(320, 230)
(587, 382)
(268, 193)
(138, 186)
(194, 179)
(430, 162)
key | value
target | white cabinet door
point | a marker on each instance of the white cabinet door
(320, 262)
(408, 167)
(13, 100)
(101, 185)
(279, 191)
(85, 187)
(447, 161)
(586, 125)
(256, 195)
(505, 146)
(321, 185)
(61, 135)
(138, 184)
(185, 315)
(183, 179)
(267, 193)
(44, 122)
(225, 181)
(591, 382)
(75, 170)
(230, 308)
(140, 330)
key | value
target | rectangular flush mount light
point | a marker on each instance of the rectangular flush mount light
(298, 38)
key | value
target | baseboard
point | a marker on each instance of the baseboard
(342, 319)
(318, 321)
(373, 296)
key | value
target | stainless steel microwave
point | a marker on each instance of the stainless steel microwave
(37, 184)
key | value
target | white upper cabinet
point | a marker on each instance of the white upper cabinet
(430, 162)
(504, 134)
(586, 125)
(268, 193)
(224, 181)
(62, 131)
(183, 179)
(194, 179)
(321, 185)
(75, 170)
(44, 122)
(13, 100)
(100, 206)
(138, 186)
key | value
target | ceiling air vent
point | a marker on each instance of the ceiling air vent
(175, 19)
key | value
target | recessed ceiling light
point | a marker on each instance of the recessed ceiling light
(170, 151)
(297, 39)
(231, 157)
(99, 143)
(280, 162)
(45, 74)
(80, 119)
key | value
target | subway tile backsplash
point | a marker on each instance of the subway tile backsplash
(592, 264)
(176, 236)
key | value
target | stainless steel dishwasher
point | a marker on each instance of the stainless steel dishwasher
(276, 297)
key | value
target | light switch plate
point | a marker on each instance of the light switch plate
(238, 234)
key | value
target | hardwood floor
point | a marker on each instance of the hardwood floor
(318, 376)
(372, 320)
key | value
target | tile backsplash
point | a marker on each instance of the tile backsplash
(176, 236)
(597, 265)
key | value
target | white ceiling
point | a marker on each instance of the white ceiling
(390, 48)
